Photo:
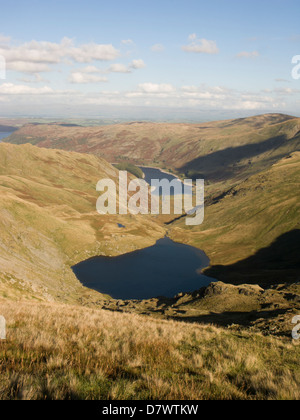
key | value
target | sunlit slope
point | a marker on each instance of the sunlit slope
(219, 151)
(49, 220)
(260, 218)
(56, 351)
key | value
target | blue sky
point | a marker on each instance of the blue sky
(170, 58)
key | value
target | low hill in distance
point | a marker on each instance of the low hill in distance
(7, 129)
(224, 152)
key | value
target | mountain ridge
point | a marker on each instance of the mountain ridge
(92, 346)
(223, 152)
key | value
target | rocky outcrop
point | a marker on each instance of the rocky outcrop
(248, 306)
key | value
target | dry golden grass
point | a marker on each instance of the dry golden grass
(49, 221)
(56, 351)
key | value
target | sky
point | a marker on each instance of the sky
(167, 59)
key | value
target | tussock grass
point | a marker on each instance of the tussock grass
(56, 351)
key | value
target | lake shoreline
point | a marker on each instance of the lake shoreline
(164, 269)
(4, 135)
(152, 167)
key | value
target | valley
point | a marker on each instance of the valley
(149, 203)
(49, 224)
(251, 172)
(223, 152)
(49, 221)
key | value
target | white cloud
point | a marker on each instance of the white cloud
(33, 78)
(127, 42)
(192, 37)
(27, 67)
(4, 39)
(12, 89)
(84, 78)
(213, 93)
(201, 46)
(90, 74)
(37, 52)
(118, 68)
(157, 48)
(282, 80)
(202, 97)
(137, 64)
(37, 56)
(247, 54)
(156, 88)
(122, 68)
(90, 69)
(93, 52)
(286, 91)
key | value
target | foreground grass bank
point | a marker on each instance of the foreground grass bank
(56, 351)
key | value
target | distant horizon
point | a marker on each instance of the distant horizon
(110, 119)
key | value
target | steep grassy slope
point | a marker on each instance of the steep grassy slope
(224, 151)
(134, 170)
(250, 203)
(49, 221)
(56, 351)
(253, 229)
(251, 233)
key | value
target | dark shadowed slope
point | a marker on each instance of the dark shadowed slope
(218, 150)
(277, 263)
(248, 218)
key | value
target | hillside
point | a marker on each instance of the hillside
(56, 351)
(68, 342)
(223, 152)
(49, 221)
(246, 220)
(251, 232)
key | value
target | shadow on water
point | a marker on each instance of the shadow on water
(164, 269)
(157, 174)
(4, 135)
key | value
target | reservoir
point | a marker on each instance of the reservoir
(4, 135)
(165, 269)
(155, 173)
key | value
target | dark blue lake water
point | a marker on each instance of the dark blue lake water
(153, 173)
(4, 135)
(165, 269)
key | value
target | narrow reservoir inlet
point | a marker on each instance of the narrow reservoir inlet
(156, 173)
(4, 135)
(165, 269)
